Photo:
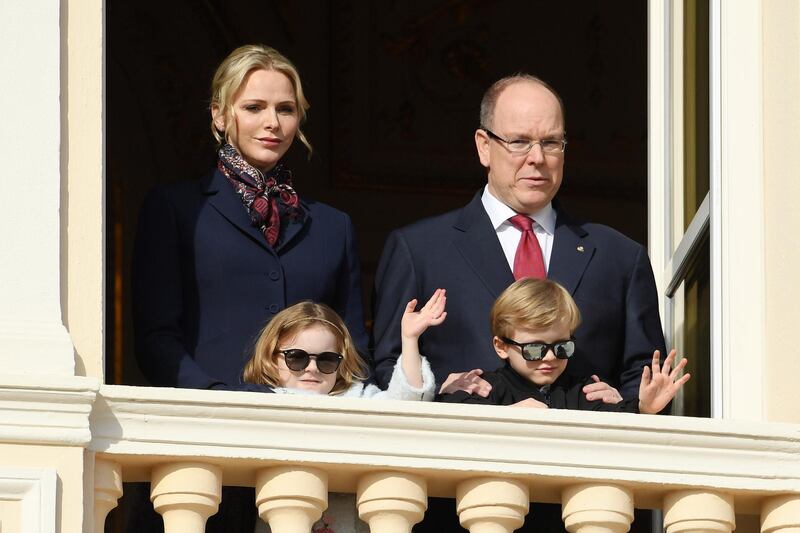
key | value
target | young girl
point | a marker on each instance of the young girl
(306, 349)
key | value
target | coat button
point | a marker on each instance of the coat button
(274, 275)
(273, 308)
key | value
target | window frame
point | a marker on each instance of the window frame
(732, 214)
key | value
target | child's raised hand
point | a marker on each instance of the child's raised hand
(414, 323)
(659, 386)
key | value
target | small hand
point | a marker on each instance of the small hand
(470, 382)
(659, 385)
(600, 390)
(414, 323)
(530, 403)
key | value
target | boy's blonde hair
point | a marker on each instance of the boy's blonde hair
(533, 304)
(263, 368)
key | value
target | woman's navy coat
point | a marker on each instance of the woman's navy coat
(205, 281)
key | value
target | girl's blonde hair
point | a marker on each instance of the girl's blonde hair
(263, 367)
(533, 304)
(230, 77)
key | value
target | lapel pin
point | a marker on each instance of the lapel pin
(580, 248)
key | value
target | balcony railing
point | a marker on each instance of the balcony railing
(393, 455)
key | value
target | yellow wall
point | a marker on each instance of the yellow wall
(82, 164)
(69, 465)
(9, 516)
(781, 212)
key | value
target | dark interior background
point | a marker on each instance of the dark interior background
(394, 88)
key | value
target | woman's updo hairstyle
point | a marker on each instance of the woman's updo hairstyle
(230, 76)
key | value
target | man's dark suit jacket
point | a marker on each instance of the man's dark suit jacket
(205, 281)
(608, 274)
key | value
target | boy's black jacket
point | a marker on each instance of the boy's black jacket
(508, 388)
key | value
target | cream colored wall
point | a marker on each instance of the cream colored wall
(9, 516)
(738, 274)
(781, 212)
(30, 307)
(69, 465)
(53, 232)
(82, 167)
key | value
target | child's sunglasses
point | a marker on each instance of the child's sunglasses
(297, 359)
(536, 351)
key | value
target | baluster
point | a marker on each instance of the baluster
(597, 508)
(391, 502)
(186, 494)
(491, 505)
(291, 498)
(107, 490)
(781, 514)
(695, 511)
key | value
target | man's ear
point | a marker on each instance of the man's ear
(482, 145)
(218, 117)
(500, 347)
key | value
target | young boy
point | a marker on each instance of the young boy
(532, 322)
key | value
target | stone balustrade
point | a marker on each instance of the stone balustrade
(291, 498)
(493, 461)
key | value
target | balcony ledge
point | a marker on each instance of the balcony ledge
(50, 410)
(139, 427)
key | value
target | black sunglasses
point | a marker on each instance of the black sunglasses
(536, 351)
(297, 359)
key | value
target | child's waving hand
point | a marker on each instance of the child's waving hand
(414, 323)
(659, 385)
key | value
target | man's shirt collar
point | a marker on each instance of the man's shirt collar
(499, 213)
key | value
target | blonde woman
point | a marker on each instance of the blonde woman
(216, 259)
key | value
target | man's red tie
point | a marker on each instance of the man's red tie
(528, 261)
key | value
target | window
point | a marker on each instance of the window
(680, 189)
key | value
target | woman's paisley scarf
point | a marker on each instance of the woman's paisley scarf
(269, 198)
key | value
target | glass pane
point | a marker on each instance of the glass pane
(695, 106)
(693, 335)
